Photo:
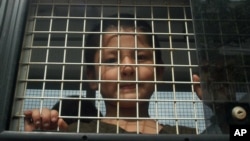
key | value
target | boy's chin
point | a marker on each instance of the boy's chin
(133, 96)
(129, 104)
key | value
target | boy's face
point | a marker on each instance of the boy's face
(124, 64)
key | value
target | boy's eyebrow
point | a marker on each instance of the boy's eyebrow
(137, 47)
(114, 51)
(109, 49)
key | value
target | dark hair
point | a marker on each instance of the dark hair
(126, 21)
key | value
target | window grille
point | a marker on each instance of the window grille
(52, 62)
(52, 67)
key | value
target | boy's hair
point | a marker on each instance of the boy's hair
(127, 21)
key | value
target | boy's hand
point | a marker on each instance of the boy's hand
(197, 87)
(45, 120)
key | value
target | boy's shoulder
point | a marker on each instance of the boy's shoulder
(91, 127)
(168, 129)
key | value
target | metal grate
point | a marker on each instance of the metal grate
(222, 37)
(52, 66)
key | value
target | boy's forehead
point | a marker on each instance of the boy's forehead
(124, 38)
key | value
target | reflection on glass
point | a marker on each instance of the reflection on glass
(222, 29)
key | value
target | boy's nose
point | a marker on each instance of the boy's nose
(127, 66)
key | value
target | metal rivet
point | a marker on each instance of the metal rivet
(239, 112)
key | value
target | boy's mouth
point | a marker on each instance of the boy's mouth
(127, 87)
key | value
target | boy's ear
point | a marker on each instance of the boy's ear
(91, 76)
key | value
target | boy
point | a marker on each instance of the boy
(125, 73)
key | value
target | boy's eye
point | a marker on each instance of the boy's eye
(110, 60)
(141, 57)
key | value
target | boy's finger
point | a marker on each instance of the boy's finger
(46, 118)
(54, 116)
(197, 87)
(28, 122)
(28, 113)
(36, 117)
(63, 126)
(53, 119)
